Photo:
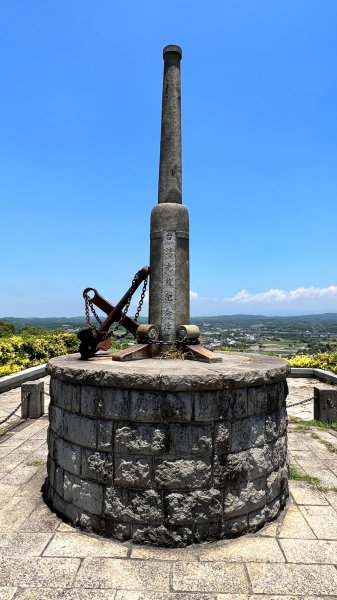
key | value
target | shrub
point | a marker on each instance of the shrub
(323, 360)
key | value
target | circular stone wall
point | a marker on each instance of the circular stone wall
(168, 452)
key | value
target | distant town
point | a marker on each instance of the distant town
(287, 336)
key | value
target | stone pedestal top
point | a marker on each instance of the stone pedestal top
(237, 369)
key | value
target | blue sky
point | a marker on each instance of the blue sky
(80, 125)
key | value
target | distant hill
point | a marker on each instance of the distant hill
(46, 323)
(315, 323)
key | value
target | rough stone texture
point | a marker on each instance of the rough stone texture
(133, 506)
(194, 508)
(132, 472)
(183, 474)
(141, 439)
(168, 453)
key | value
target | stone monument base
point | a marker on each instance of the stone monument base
(168, 452)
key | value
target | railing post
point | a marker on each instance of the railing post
(32, 398)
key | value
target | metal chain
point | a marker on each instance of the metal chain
(332, 404)
(301, 402)
(15, 410)
(89, 307)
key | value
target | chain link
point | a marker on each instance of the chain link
(112, 333)
(301, 402)
(15, 410)
(332, 404)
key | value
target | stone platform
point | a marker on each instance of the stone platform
(43, 558)
(168, 452)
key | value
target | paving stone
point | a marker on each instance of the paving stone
(38, 572)
(269, 530)
(171, 554)
(327, 478)
(245, 549)
(41, 520)
(138, 575)
(7, 593)
(12, 520)
(209, 577)
(332, 499)
(20, 475)
(23, 544)
(295, 526)
(310, 551)
(322, 520)
(306, 494)
(126, 595)
(53, 594)
(292, 579)
(82, 545)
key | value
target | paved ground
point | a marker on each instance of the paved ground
(42, 558)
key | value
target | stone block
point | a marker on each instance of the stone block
(258, 400)
(195, 507)
(58, 481)
(257, 518)
(258, 462)
(220, 405)
(51, 471)
(277, 453)
(244, 499)
(191, 439)
(119, 531)
(97, 466)
(115, 404)
(208, 532)
(67, 456)
(325, 403)
(56, 419)
(266, 398)
(71, 513)
(105, 435)
(65, 395)
(72, 394)
(91, 400)
(157, 407)
(51, 441)
(141, 439)
(222, 441)
(272, 509)
(132, 471)
(235, 526)
(132, 506)
(163, 536)
(276, 483)
(247, 434)
(83, 494)
(32, 398)
(79, 430)
(276, 424)
(231, 471)
(181, 474)
(55, 390)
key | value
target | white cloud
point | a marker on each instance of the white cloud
(277, 295)
(193, 296)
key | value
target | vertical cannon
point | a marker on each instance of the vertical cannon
(169, 303)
